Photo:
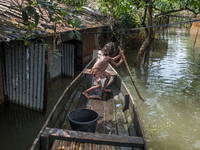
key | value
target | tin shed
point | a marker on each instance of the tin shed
(25, 71)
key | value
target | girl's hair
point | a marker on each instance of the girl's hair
(109, 49)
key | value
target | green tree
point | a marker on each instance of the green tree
(121, 11)
(119, 15)
(133, 13)
(166, 7)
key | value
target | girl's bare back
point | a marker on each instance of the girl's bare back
(98, 70)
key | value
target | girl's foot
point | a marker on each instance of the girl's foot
(86, 95)
(106, 90)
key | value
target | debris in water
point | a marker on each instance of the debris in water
(118, 105)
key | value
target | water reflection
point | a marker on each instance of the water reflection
(20, 126)
(171, 114)
(17, 125)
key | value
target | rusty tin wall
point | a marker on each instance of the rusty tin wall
(24, 74)
(67, 60)
(1, 82)
(91, 42)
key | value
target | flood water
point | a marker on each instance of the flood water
(20, 126)
(171, 87)
(170, 116)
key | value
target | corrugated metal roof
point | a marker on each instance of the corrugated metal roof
(10, 30)
(12, 26)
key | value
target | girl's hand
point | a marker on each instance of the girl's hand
(121, 53)
(123, 57)
(121, 60)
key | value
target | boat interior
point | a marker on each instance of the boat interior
(118, 125)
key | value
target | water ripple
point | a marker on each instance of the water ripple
(171, 87)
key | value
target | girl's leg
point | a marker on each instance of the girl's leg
(106, 83)
(85, 93)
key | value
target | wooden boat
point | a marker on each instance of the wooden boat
(118, 126)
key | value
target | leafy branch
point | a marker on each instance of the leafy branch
(54, 14)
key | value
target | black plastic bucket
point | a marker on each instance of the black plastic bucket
(83, 120)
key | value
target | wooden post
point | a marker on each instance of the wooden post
(126, 106)
(44, 145)
(131, 77)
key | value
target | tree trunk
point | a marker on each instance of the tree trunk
(146, 44)
(146, 58)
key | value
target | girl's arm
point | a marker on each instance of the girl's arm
(117, 57)
(111, 60)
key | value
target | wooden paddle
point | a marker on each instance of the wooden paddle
(131, 76)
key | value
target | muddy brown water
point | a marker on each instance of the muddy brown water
(171, 87)
(20, 126)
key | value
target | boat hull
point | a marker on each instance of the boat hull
(118, 124)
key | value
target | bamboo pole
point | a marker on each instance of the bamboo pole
(131, 76)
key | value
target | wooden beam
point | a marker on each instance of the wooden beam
(126, 106)
(45, 145)
(95, 138)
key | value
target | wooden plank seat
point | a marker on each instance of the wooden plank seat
(95, 138)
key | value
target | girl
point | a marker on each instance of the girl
(98, 70)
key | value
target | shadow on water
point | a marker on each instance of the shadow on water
(171, 114)
(19, 126)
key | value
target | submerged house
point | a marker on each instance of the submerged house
(25, 71)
